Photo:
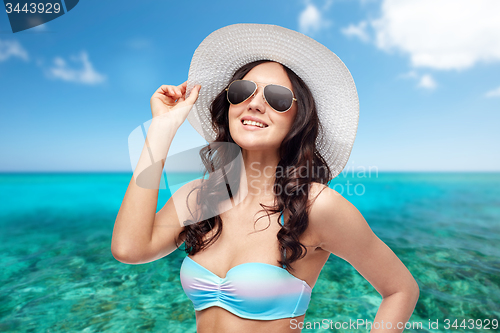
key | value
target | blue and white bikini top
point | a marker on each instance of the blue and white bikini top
(251, 290)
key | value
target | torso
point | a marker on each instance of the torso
(240, 242)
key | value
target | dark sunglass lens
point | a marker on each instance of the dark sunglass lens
(279, 98)
(239, 91)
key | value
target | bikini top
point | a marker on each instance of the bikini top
(252, 290)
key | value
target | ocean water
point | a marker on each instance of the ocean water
(58, 275)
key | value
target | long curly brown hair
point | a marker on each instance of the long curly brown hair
(291, 187)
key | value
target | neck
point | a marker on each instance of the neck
(259, 175)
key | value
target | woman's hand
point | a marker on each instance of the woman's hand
(169, 103)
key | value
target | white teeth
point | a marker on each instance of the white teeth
(250, 122)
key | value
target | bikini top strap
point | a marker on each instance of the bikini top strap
(283, 223)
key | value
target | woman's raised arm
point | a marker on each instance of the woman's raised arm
(137, 236)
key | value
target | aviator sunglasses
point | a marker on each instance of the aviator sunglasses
(278, 97)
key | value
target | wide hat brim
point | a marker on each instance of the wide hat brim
(227, 49)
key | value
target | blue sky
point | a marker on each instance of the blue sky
(427, 75)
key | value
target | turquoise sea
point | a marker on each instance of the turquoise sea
(58, 275)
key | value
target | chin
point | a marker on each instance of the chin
(253, 143)
(251, 140)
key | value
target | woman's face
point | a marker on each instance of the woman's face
(251, 137)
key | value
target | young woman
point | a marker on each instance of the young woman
(290, 106)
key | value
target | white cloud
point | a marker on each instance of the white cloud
(439, 34)
(86, 74)
(327, 5)
(12, 48)
(311, 20)
(427, 82)
(493, 93)
(357, 31)
(424, 81)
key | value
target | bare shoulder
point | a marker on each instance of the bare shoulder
(184, 200)
(323, 199)
(336, 222)
(343, 231)
(325, 203)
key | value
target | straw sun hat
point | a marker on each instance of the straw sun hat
(225, 50)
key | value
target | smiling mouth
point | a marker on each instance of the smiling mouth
(253, 123)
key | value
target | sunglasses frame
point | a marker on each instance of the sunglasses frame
(263, 94)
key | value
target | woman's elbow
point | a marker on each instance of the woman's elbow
(412, 291)
(415, 290)
(124, 254)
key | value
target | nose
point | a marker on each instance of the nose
(257, 101)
